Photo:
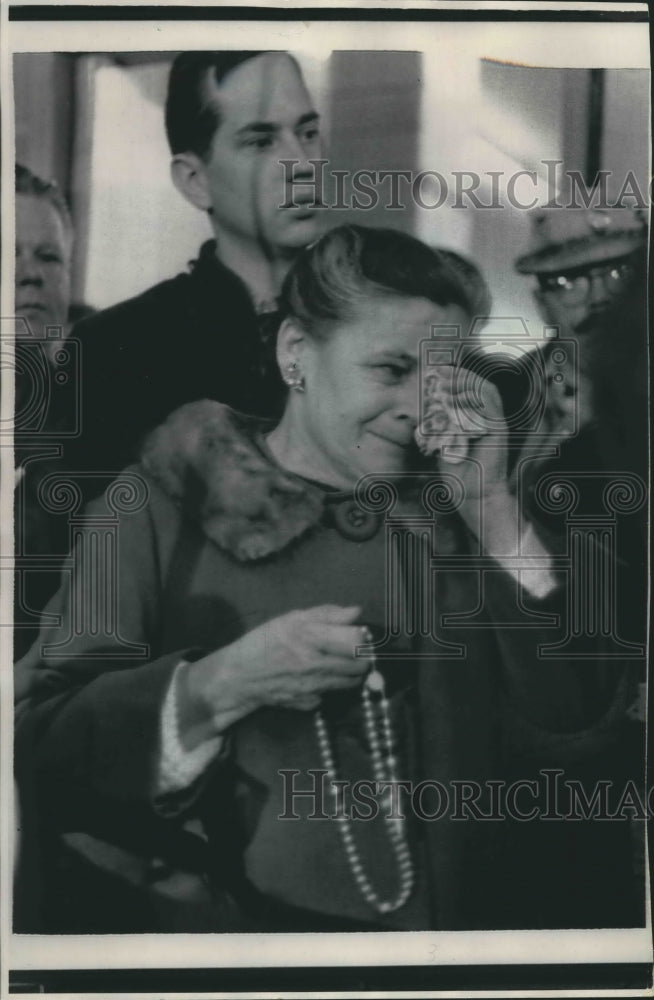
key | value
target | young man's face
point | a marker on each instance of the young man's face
(266, 116)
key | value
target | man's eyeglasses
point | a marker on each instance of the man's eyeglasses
(574, 287)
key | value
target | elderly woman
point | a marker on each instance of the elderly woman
(300, 721)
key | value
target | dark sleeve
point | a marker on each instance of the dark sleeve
(103, 343)
(90, 691)
(557, 708)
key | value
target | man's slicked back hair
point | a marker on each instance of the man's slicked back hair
(192, 112)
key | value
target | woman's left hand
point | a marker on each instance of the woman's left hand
(478, 453)
(478, 456)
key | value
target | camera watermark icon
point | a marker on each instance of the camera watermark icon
(527, 371)
(48, 383)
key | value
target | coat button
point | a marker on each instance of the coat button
(353, 523)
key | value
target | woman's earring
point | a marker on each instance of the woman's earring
(294, 378)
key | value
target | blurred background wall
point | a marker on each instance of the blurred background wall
(94, 123)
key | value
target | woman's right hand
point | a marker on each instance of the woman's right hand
(288, 662)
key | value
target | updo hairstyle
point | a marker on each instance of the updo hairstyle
(349, 264)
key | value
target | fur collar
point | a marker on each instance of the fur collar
(205, 457)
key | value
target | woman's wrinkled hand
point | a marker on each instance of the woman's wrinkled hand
(288, 662)
(476, 451)
(477, 454)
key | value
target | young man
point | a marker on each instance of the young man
(231, 117)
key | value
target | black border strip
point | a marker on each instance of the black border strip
(66, 12)
(395, 978)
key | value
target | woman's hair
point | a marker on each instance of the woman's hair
(481, 298)
(351, 263)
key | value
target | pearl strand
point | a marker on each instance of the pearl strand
(395, 826)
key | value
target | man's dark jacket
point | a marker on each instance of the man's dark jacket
(195, 336)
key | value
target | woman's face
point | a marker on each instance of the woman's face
(360, 407)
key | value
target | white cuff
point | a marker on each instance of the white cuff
(538, 580)
(178, 767)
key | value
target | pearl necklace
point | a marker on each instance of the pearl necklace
(384, 771)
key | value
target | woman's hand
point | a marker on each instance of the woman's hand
(477, 452)
(479, 457)
(288, 662)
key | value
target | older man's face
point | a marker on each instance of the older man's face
(574, 300)
(266, 116)
(43, 249)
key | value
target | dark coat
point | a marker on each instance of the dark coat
(195, 336)
(222, 540)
